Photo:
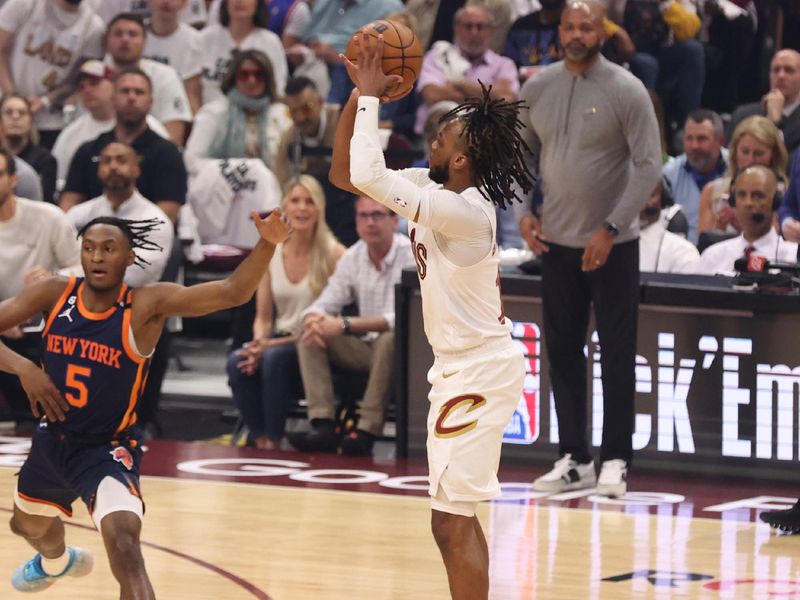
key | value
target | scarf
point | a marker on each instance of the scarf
(231, 135)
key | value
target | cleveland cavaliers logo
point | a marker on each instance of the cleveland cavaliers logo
(471, 401)
(68, 312)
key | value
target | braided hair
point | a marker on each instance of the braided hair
(494, 145)
(136, 232)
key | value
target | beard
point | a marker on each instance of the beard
(578, 53)
(440, 174)
(117, 183)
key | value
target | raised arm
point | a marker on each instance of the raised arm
(162, 300)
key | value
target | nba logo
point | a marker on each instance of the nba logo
(524, 425)
(121, 455)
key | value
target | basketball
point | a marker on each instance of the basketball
(402, 54)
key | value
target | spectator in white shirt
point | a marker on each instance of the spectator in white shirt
(118, 169)
(756, 198)
(661, 251)
(230, 153)
(246, 122)
(36, 238)
(96, 92)
(40, 44)
(366, 274)
(173, 43)
(243, 25)
(125, 40)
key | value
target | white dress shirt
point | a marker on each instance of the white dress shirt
(718, 258)
(661, 251)
(357, 280)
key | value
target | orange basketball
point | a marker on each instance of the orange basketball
(402, 54)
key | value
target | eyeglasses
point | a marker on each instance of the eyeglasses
(476, 26)
(244, 75)
(376, 216)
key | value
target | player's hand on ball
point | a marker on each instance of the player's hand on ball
(368, 75)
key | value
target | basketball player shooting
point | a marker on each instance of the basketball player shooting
(96, 347)
(477, 376)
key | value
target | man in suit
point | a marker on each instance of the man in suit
(782, 103)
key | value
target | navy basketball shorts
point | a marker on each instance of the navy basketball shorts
(61, 469)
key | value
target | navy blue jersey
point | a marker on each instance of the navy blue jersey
(92, 361)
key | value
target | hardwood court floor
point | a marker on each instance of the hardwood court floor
(220, 539)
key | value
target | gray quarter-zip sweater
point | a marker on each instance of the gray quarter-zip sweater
(598, 147)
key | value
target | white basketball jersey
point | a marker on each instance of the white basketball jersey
(461, 306)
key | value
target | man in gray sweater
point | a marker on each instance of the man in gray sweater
(593, 129)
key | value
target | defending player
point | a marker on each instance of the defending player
(478, 372)
(97, 342)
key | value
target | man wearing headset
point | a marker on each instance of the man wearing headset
(661, 250)
(755, 199)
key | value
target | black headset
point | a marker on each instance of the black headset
(776, 199)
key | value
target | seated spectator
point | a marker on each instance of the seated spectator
(755, 198)
(704, 159)
(36, 239)
(18, 134)
(118, 169)
(66, 34)
(660, 250)
(242, 26)
(125, 40)
(177, 44)
(669, 59)
(331, 25)
(366, 274)
(533, 41)
(781, 104)
(246, 122)
(756, 141)
(96, 92)
(231, 151)
(451, 72)
(313, 126)
(163, 176)
(264, 374)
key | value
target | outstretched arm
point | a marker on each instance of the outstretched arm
(38, 297)
(163, 300)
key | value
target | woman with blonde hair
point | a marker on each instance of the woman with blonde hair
(264, 374)
(755, 141)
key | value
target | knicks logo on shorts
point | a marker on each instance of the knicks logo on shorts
(471, 401)
(121, 455)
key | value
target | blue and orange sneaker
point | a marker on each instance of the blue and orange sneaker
(30, 577)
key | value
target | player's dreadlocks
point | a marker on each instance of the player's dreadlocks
(494, 145)
(135, 232)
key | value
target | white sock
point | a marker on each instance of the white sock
(55, 566)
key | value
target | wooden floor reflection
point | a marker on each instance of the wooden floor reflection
(220, 540)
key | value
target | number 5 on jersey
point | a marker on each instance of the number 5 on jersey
(74, 372)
